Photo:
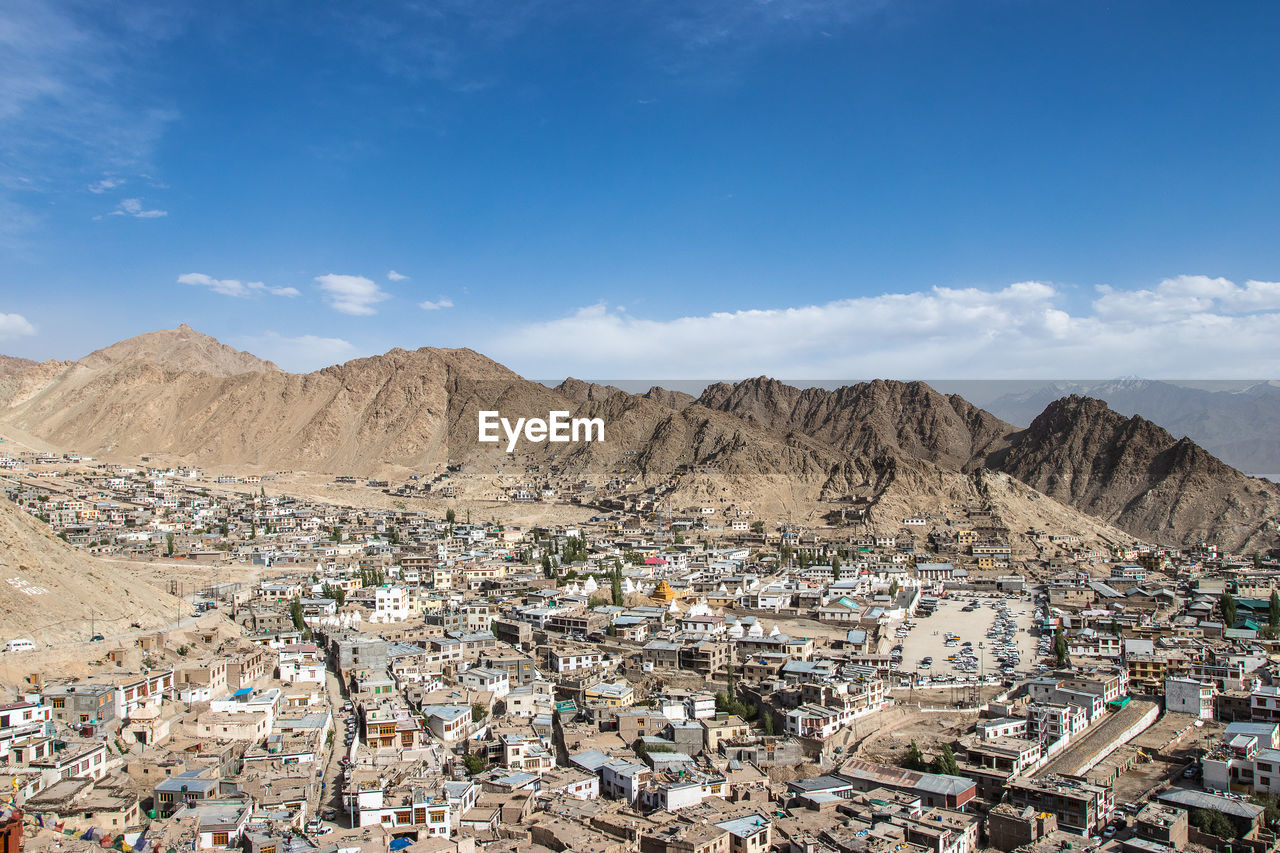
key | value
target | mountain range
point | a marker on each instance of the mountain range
(1237, 426)
(898, 447)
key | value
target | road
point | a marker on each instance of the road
(330, 794)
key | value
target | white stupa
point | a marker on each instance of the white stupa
(736, 631)
(773, 632)
(627, 586)
(756, 630)
(699, 608)
(590, 586)
(672, 608)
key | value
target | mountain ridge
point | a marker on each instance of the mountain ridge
(183, 394)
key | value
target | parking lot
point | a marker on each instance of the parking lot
(928, 638)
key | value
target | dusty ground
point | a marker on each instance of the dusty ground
(886, 735)
(1140, 779)
(321, 487)
(77, 659)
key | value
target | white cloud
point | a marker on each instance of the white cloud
(1185, 327)
(106, 184)
(15, 326)
(299, 354)
(395, 276)
(233, 287)
(442, 302)
(133, 207)
(1188, 294)
(352, 294)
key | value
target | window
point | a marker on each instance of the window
(59, 703)
(220, 839)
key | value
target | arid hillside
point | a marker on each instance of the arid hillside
(182, 396)
(52, 593)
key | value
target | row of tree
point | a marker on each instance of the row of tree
(944, 762)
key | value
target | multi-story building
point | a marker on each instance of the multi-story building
(1078, 806)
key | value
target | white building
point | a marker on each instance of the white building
(391, 604)
(1188, 696)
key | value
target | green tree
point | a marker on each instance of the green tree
(915, 758)
(1060, 646)
(946, 762)
(893, 589)
(835, 567)
(1273, 611)
(1214, 823)
(757, 527)
(615, 583)
(337, 593)
(1228, 606)
(168, 544)
(766, 720)
(547, 570)
(478, 712)
(678, 539)
(475, 764)
(295, 613)
(1270, 806)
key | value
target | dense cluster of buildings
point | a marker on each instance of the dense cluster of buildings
(692, 682)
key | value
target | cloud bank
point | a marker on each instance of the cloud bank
(1184, 327)
(234, 287)
(352, 294)
(15, 326)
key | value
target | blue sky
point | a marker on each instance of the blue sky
(666, 189)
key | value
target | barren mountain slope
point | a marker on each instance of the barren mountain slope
(10, 364)
(1132, 473)
(183, 396)
(901, 418)
(180, 350)
(51, 590)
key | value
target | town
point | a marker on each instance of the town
(364, 676)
